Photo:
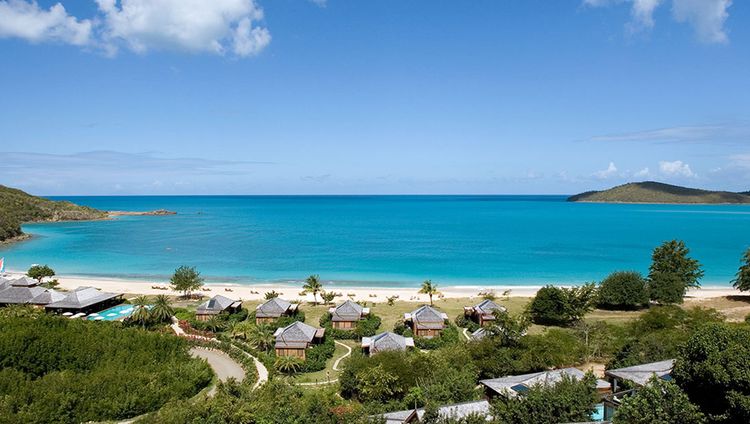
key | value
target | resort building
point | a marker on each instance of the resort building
(294, 339)
(274, 309)
(386, 341)
(483, 312)
(426, 321)
(217, 305)
(84, 300)
(12, 295)
(479, 334)
(455, 411)
(634, 378)
(347, 315)
(46, 297)
(515, 385)
(24, 282)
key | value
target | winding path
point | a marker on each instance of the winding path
(335, 367)
(224, 366)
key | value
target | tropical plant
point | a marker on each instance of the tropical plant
(162, 310)
(241, 330)
(288, 364)
(141, 313)
(328, 297)
(51, 284)
(314, 286)
(271, 295)
(260, 337)
(391, 300)
(214, 324)
(40, 272)
(623, 290)
(658, 401)
(186, 280)
(430, 289)
(488, 294)
(562, 306)
(742, 279)
(672, 272)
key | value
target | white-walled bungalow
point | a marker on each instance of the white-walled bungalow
(217, 305)
(274, 309)
(515, 385)
(294, 339)
(347, 315)
(426, 321)
(386, 341)
(484, 312)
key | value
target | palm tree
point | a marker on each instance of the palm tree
(312, 285)
(141, 314)
(261, 337)
(240, 330)
(288, 364)
(429, 289)
(162, 310)
(213, 324)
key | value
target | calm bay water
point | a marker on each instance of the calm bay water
(384, 240)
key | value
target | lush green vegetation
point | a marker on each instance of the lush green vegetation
(659, 402)
(17, 207)
(40, 272)
(430, 289)
(565, 402)
(186, 280)
(72, 371)
(562, 306)
(672, 272)
(742, 279)
(654, 192)
(623, 290)
(313, 285)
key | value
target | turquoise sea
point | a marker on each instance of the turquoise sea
(384, 240)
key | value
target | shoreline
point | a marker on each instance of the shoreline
(293, 292)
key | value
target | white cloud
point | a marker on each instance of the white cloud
(706, 16)
(741, 160)
(200, 26)
(216, 26)
(26, 20)
(611, 171)
(320, 3)
(643, 173)
(676, 169)
(736, 132)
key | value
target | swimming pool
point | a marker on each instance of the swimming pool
(113, 313)
(598, 414)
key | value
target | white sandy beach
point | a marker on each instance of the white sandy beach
(374, 294)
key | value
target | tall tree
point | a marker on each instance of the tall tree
(260, 337)
(672, 272)
(141, 314)
(313, 285)
(162, 310)
(40, 272)
(288, 364)
(742, 280)
(658, 402)
(429, 288)
(186, 280)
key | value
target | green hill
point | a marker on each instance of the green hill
(18, 207)
(654, 192)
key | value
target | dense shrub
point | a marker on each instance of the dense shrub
(463, 321)
(448, 336)
(316, 356)
(658, 402)
(672, 272)
(566, 401)
(400, 380)
(712, 368)
(72, 371)
(561, 306)
(623, 290)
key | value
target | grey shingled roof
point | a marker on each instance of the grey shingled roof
(488, 307)
(273, 308)
(428, 318)
(453, 411)
(216, 304)
(347, 311)
(510, 385)
(479, 334)
(81, 298)
(296, 335)
(24, 281)
(48, 296)
(387, 341)
(641, 374)
(19, 295)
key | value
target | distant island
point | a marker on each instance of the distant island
(18, 207)
(655, 192)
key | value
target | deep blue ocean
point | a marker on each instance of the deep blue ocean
(384, 240)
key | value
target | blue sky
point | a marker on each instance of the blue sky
(338, 96)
